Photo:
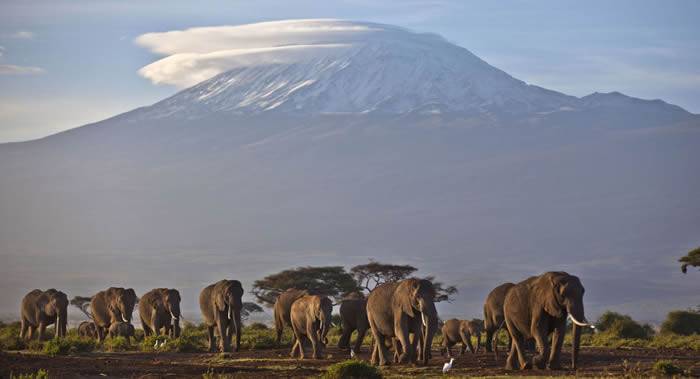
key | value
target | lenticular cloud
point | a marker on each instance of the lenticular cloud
(197, 54)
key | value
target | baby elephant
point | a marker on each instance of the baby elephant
(454, 331)
(87, 329)
(122, 329)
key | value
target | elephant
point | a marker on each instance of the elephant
(160, 309)
(87, 329)
(537, 308)
(396, 309)
(454, 331)
(114, 304)
(221, 305)
(353, 315)
(40, 309)
(493, 316)
(311, 319)
(121, 329)
(282, 310)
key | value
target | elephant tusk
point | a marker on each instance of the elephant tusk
(173, 316)
(422, 316)
(124, 318)
(579, 323)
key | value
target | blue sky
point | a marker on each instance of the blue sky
(64, 63)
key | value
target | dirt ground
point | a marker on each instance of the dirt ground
(276, 363)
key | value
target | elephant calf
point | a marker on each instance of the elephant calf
(311, 319)
(87, 329)
(121, 329)
(455, 331)
(353, 313)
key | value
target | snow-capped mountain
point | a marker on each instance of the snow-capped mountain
(325, 142)
(395, 71)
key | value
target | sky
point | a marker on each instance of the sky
(65, 63)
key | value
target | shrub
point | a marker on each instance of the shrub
(41, 374)
(117, 343)
(682, 322)
(623, 326)
(9, 337)
(352, 369)
(258, 339)
(149, 344)
(666, 367)
(257, 326)
(63, 346)
(188, 342)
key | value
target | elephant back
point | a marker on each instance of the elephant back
(283, 303)
(31, 304)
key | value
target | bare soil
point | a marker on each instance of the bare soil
(596, 362)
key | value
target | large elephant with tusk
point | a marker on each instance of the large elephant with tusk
(221, 305)
(114, 304)
(42, 308)
(539, 307)
(159, 310)
(395, 310)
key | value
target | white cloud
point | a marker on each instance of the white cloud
(196, 54)
(22, 34)
(10, 69)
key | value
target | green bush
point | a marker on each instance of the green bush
(352, 369)
(257, 326)
(41, 374)
(148, 344)
(117, 343)
(623, 326)
(666, 367)
(63, 346)
(682, 322)
(9, 337)
(189, 342)
(258, 339)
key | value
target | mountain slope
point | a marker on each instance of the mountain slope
(400, 147)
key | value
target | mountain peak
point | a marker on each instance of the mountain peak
(368, 68)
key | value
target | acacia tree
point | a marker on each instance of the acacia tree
(373, 274)
(691, 259)
(82, 303)
(249, 308)
(331, 281)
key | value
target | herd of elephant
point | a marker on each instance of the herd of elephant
(400, 315)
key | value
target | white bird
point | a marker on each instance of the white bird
(447, 366)
(155, 346)
(163, 344)
(352, 353)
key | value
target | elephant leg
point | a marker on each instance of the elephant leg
(42, 331)
(494, 343)
(401, 332)
(478, 342)
(100, 333)
(467, 343)
(345, 337)
(146, 329)
(295, 345)
(542, 347)
(379, 343)
(312, 335)
(222, 326)
(210, 334)
(397, 348)
(360, 338)
(512, 359)
(489, 340)
(557, 342)
(24, 327)
(31, 330)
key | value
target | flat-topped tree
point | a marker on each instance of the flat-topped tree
(372, 274)
(691, 259)
(331, 281)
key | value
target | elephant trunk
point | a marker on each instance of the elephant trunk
(175, 320)
(578, 318)
(430, 321)
(576, 344)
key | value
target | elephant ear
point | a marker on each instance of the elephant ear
(405, 294)
(548, 290)
(219, 300)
